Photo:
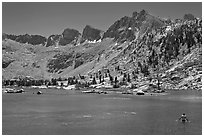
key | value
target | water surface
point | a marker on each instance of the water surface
(59, 112)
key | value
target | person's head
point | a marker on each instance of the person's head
(184, 114)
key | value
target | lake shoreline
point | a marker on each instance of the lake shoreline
(123, 91)
(60, 111)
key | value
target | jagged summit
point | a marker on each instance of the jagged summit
(53, 40)
(142, 13)
(127, 28)
(26, 38)
(136, 45)
(68, 36)
(90, 33)
(72, 36)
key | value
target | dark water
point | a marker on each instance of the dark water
(66, 112)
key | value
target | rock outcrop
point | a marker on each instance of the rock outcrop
(140, 49)
(30, 39)
(53, 40)
(69, 36)
(91, 34)
(128, 28)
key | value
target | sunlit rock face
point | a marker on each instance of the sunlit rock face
(69, 36)
(126, 28)
(30, 39)
(91, 34)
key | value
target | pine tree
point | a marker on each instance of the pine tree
(111, 78)
(94, 81)
(116, 80)
(128, 78)
(100, 78)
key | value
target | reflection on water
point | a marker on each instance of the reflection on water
(64, 113)
(117, 98)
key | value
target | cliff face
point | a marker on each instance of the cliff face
(30, 39)
(172, 51)
(142, 46)
(72, 36)
(69, 36)
(53, 40)
(91, 34)
(128, 28)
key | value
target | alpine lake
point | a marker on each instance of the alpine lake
(71, 112)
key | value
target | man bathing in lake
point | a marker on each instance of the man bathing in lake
(183, 118)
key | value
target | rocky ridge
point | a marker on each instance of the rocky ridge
(142, 46)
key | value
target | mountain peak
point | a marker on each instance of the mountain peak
(90, 33)
(88, 26)
(143, 12)
(26, 38)
(69, 35)
(134, 14)
(127, 27)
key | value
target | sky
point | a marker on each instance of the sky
(49, 18)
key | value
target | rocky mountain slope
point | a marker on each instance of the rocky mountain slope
(129, 28)
(143, 46)
(30, 39)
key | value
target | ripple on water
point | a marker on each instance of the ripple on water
(134, 113)
(87, 116)
(118, 98)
